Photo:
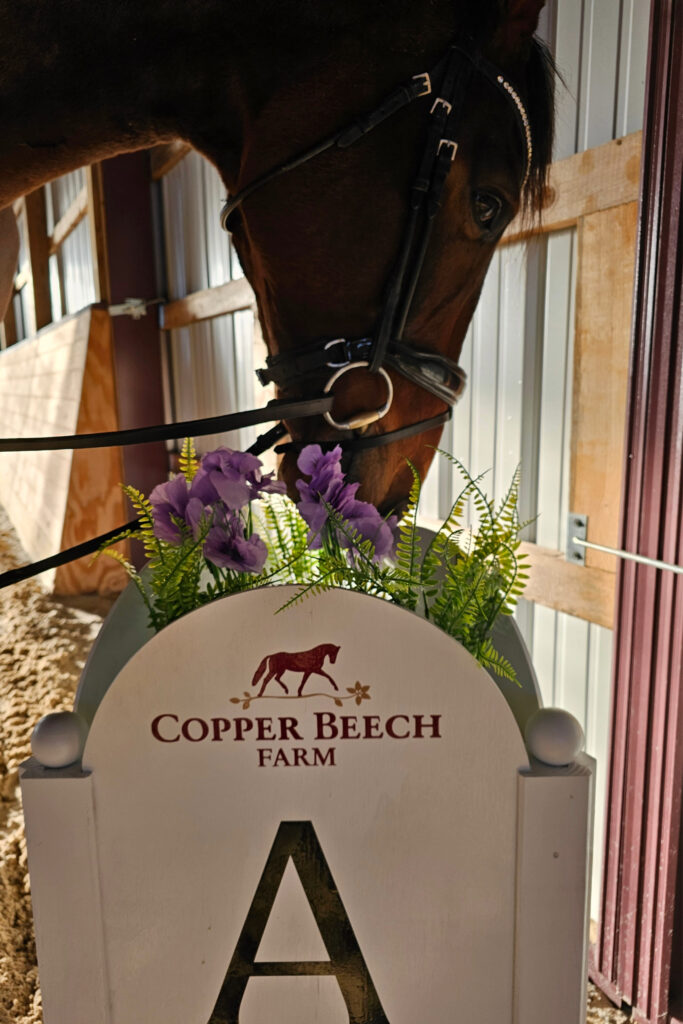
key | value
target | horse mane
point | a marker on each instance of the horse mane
(539, 90)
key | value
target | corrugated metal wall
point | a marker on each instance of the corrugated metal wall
(518, 353)
(74, 287)
(211, 364)
(71, 268)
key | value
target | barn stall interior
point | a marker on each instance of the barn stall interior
(548, 367)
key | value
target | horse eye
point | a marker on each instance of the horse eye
(487, 208)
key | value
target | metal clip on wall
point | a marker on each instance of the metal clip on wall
(577, 529)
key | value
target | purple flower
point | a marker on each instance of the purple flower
(227, 547)
(195, 513)
(328, 487)
(169, 502)
(233, 478)
(371, 526)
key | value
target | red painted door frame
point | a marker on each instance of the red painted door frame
(638, 958)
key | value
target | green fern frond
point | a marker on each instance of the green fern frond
(188, 461)
(145, 513)
(489, 658)
(408, 548)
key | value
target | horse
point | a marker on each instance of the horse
(307, 662)
(323, 240)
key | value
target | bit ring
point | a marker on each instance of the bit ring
(363, 419)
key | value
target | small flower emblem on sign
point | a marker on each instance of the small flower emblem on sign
(359, 692)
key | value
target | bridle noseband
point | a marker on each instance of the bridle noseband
(437, 374)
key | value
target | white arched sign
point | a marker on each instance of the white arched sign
(313, 816)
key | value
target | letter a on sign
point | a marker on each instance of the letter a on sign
(297, 840)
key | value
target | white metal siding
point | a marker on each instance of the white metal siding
(75, 259)
(211, 363)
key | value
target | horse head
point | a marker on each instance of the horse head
(252, 85)
(332, 650)
(321, 242)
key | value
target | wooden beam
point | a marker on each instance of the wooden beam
(604, 291)
(73, 216)
(576, 590)
(556, 583)
(204, 305)
(164, 158)
(38, 247)
(597, 179)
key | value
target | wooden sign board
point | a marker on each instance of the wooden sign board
(314, 816)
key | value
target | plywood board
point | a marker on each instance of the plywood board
(40, 389)
(601, 359)
(61, 382)
(95, 501)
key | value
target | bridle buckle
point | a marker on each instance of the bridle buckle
(440, 101)
(347, 354)
(426, 81)
(453, 146)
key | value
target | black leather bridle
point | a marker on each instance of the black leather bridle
(435, 373)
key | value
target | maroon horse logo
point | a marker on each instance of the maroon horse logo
(309, 663)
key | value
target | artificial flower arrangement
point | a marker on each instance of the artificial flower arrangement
(221, 526)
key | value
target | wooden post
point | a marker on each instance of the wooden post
(38, 246)
(603, 317)
(98, 231)
(126, 248)
(641, 922)
(8, 328)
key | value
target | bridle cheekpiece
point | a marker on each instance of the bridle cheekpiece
(437, 374)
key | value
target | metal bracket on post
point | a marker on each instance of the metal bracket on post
(577, 529)
(135, 308)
